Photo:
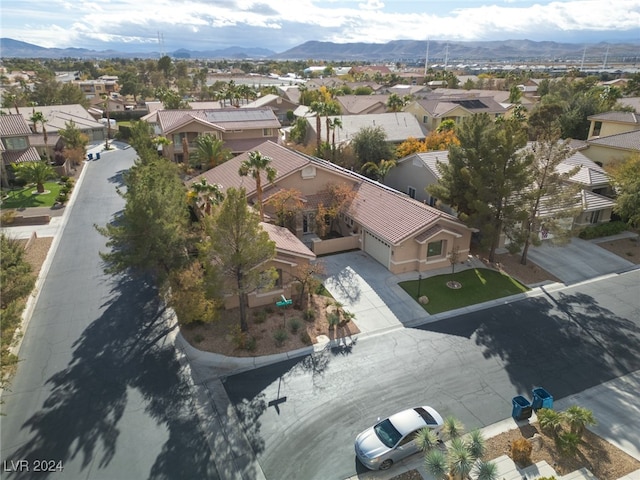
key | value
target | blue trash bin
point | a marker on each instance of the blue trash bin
(521, 408)
(91, 156)
(541, 398)
(97, 156)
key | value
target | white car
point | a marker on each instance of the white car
(393, 439)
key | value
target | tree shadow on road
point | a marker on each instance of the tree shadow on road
(124, 350)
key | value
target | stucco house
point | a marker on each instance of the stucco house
(417, 171)
(362, 104)
(398, 126)
(291, 253)
(432, 111)
(15, 146)
(613, 148)
(613, 123)
(241, 129)
(278, 104)
(401, 233)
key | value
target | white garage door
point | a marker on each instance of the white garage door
(377, 248)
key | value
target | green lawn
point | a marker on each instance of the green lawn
(478, 285)
(24, 198)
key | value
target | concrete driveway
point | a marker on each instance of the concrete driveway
(577, 261)
(370, 291)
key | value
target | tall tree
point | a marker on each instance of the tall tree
(395, 103)
(319, 108)
(370, 145)
(483, 174)
(205, 196)
(38, 118)
(151, 234)
(75, 142)
(254, 166)
(625, 178)
(378, 171)
(239, 248)
(210, 151)
(287, 204)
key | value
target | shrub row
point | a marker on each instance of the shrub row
(603, 230)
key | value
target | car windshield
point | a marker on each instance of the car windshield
(387, 433)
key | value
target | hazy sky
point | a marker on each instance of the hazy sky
(134, 25)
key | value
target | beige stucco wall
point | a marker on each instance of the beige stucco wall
(605, 155)
(611, 128)
(333, 245)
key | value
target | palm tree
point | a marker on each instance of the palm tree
(34, 172)
(331, 109)
(426, 439)
(39, 118)
(395, 103)
(210, 151)
(435, 462)
(378, 171)
(487, 470)
(319, 109)
(254, 166)
(460, 459)
(335, 123)
(578, 418)
(211, 193)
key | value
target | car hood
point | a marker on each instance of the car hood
(370, 445)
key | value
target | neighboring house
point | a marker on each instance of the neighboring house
(415, 172)
(370, 70)
(397, 126)
(57, 118)
(15, 146)
(97, 88)
(279, 105)
(432, 111)
(612, 123)
(613, 148)
(399, 232)
(241, 129)
(362, 104)
(291, 253)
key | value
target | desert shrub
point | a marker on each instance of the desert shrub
(251, 344)
(294, 325)
(568, 443)
(333, 318)
(476, 444)
(521, 451)
(550, 421)
(280, 336)
(603, 230)
(8, 217)
(64, 178)
(260, 316)
(305, 338)
(309, 315)
(239, 338)
(62, 198)
(269, 309)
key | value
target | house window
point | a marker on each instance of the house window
(278, 282)
(266, 132)
(412, 192)
(434, 249)
(16, 143)
(425, 119)
(595, 217)
(596, 129)
(432, 201)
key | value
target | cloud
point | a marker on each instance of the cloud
(281, 24)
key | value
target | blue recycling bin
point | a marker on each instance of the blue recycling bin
(521, 408)
(97, 156)
(91, 156)
(541, 398)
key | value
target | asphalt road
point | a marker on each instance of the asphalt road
(100, 390)
(301, 416)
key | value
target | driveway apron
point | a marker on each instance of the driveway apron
(577, 261)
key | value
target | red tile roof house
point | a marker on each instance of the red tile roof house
(401, 233)
(241, 129)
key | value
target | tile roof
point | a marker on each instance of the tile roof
(20, 156)
(439, 106)
(431, 159)
(13, 125)
(287, 242)
(384, 211)
(590, 173)
(221, 119)
(624, 141)
(362, 104)
(592, 201)
(397, 126)
(59, 115)
(619, 117)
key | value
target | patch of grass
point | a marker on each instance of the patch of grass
(478, 285)
(23, 198)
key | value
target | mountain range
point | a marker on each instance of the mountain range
(399, 50)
